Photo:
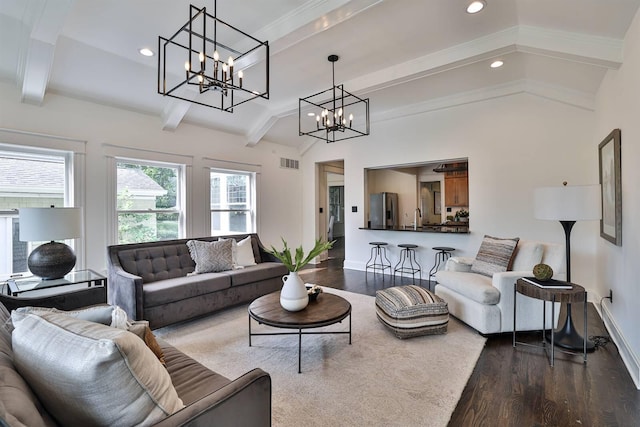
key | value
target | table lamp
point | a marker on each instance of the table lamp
(568, 204)
(54, 259)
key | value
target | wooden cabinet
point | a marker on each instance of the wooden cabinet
(456, 189)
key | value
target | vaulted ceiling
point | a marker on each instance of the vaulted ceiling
(407, 56)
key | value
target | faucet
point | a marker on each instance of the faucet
(417, 214)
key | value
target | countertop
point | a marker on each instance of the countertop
(456, 227)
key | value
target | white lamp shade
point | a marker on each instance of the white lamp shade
(568, 203)
(46, 224)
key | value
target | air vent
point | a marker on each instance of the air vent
(289, 163)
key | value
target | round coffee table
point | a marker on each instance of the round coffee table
(326, 310)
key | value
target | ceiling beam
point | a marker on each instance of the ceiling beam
(595, 51)
(173, 113)
(45, 20)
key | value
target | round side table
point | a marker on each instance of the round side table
(576, 293)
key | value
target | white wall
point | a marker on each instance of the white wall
(514, 144)
(618, 267)
(104, 127)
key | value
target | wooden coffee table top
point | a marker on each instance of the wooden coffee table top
(326, 310)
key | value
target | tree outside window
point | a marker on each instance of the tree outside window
(147, 202)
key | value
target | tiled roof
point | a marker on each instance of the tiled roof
(44, 176)
(135, 179)
(31, 176)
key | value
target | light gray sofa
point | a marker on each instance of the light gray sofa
(209, 398)
(150, 281)
(486, 303)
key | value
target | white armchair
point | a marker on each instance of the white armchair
(486, 303)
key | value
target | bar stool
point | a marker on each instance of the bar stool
(408, 254)
(378, 260)
(443, 254)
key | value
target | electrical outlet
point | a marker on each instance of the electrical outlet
(611, 295)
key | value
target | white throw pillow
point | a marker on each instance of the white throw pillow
(244, 253)
(528, 254)
(85, 373)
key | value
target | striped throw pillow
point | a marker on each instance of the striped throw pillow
(494, 256)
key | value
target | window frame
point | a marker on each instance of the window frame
(251, 195)
(180, 208)
(72, 152)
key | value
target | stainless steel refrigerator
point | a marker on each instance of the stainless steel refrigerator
(383, 210)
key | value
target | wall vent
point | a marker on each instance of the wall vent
(289, 163)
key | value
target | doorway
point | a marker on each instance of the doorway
(331, 219)
(431, 202)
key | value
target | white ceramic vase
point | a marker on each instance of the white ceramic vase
(293, 296)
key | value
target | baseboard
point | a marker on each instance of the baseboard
(361, 266)
(631, 360)
(354, 265)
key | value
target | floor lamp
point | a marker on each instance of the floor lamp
(568, 204)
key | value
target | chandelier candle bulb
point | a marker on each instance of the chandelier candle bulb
(240, 76)
(350, 119)
(216, 57)
(231, 66)
(201, 58)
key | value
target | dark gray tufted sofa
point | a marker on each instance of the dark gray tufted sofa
(149, 281)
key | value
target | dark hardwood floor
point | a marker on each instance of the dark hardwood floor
(518, 387)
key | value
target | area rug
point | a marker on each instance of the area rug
(378, 380)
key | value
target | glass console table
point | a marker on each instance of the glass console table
(19, 285)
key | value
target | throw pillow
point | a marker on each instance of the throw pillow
(110, 315)
(211, 256)
(244, 253)
(494, 255)
(85, 373)
(141, 329)
(527, 254)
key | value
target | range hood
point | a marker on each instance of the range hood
(451, 167)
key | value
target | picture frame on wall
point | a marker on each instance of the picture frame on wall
(609, 153)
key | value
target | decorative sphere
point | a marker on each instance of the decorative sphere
(542, 272)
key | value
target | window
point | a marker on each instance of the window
(148, 201)
(28, 178)
(232, 202)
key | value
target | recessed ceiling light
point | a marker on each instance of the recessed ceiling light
(146, 51)
(497, 64)
(311, 114)
(476, 6)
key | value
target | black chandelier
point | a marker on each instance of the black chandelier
(341, 116)
(226, 66)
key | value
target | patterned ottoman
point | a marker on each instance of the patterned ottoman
(410, 311)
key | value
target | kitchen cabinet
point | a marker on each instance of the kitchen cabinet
(456, 189)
